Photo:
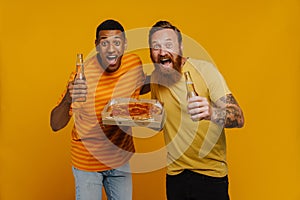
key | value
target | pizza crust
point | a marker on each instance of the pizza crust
(134, 110)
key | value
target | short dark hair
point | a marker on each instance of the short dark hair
(160, 25)
(109, 24)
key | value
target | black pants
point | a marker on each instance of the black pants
(189, 185)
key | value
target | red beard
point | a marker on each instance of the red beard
(171, 76)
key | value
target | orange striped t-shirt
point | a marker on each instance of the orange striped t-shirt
(98, 147)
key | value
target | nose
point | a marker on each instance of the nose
(110, 48)
(162, 51)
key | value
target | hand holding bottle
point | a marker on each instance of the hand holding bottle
(198, 107)
(78, 90)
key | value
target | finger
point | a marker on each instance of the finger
(197, 104)
(78, 92)
(197, 117)
(79, 81)
(80, 87)
(78, 95)
(197, 110)
(193, 105)
(198, 99)
(200, 116)
(194, 99)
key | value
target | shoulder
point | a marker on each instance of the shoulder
(204, 67)
(212, 77)
(201, 64)
(131, 57)
(91, 61)
(131, 61)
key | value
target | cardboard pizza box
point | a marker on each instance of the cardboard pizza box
(155, 121)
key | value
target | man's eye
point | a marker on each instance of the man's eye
(117, 43)
(103, 43)
(156, 47)
(169, 45)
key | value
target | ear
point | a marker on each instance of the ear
(181, 47)
(97, 45)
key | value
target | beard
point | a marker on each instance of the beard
(171, 75)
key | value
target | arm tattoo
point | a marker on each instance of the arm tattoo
(226, 112)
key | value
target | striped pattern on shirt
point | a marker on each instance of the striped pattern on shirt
(98, 147)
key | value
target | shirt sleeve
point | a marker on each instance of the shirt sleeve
(215, 82)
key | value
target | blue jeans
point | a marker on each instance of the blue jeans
(116, 182)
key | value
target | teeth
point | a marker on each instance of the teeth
(111, 57)
(164, 59)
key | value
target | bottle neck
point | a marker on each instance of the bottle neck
(80, 71)
(189, 85)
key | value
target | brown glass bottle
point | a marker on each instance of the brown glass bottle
(80, 73)
(190, 88)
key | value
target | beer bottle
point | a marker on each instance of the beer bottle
(80, 73)
(191, 92)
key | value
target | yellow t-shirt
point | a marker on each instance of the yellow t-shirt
(197, 146)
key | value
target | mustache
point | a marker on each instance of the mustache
(164, 57)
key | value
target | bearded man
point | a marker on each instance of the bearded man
(194, 127)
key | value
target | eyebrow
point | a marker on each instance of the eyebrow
(167, 40)
(115, 37)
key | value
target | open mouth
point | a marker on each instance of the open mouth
(165, 61)
(112, 59)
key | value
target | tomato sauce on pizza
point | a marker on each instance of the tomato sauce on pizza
(134, 110)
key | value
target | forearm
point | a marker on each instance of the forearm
(230, 117)
(227, 113)
(60, 115)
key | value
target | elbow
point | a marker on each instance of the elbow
(54, 126)
(241, 121)
(240, 125)
(55, 123)
(235, 122)
(54, 129)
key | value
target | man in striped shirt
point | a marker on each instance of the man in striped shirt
(100, 153)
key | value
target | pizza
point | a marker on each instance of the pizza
(134, 110)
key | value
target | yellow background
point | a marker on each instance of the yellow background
(255, 45)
